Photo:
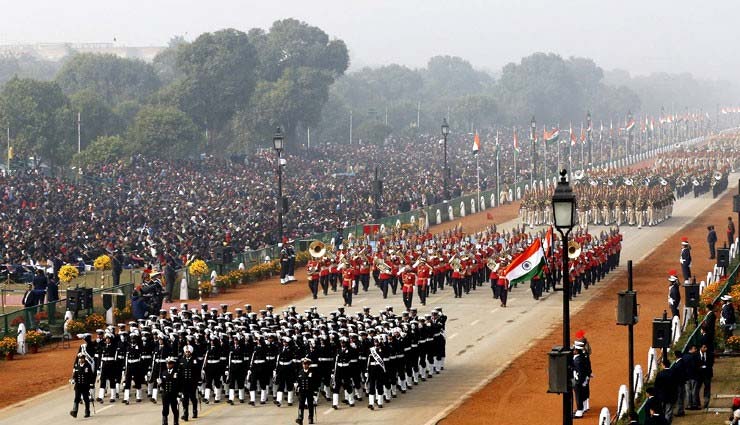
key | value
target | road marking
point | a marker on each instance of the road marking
(475, 323)
(104, 408)
(452, 336)
(327, 411)
(494, 310)
(211, 410)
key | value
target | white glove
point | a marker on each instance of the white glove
(681, 260)
(722, 321)
(159, 380)
(670, 300)
(226, 373)
(72, 381)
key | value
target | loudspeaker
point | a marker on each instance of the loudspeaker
(627, 308)
(284, 204)
(218, 255)
(692, 295)
(558, 375)
(228, 255)
(661, 333)
(73, 300)
(378, 187)
(736, 203)
(86, 298)
(723, 257)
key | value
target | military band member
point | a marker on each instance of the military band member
(348, 280)
(313, 270)
(408, 279)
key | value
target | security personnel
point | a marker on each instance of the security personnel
(580, 377)
(291, 261)
(189, 369)
(169, 384)
(727, 318)
(83, 379)
(674, 293)
(284, 262)
(685, 259)
(159, 360)
(306, 385)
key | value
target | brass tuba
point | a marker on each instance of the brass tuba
(317, 249)
(574, 250)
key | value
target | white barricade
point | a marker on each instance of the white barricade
(604, 417)
(638, 378)
(622, 402)
(652, 364)
(675, 329)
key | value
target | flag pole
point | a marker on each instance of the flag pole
(498, 181)
(477, 177)
(7, 170)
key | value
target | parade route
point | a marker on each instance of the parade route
(482, 339)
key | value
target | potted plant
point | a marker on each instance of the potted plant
(8, 347)
(34, 340)
(733, 343)
(205, 288)
(74, 327)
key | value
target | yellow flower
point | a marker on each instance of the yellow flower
(103, 262)
(198, 268)
(67, 273)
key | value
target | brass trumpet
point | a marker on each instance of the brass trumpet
(574, 250)
(317, 249)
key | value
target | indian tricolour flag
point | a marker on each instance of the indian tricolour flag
(516, 142)
(527, 264)
(630, 125)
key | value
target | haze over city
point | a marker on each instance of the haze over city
(640, 37)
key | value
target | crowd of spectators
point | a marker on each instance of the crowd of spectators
(148, 207)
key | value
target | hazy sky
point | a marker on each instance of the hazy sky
(640, 36)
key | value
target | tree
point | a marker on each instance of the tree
(103, 150)
(96, 116)
(219, 78)
(165, 62)
(294, 44)
(164, 131)
(115, 79)
(39, 117)
(295, 99)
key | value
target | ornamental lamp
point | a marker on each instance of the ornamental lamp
(277, 140)
(564, 204)
(445, 127)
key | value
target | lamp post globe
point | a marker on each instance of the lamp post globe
(564, 204)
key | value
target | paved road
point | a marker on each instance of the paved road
(483, 339)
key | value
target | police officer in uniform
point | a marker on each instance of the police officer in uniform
(284, 262)
(169, 384)
(674, 293)
(83, 379)
(685, 259)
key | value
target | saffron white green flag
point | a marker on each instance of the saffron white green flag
(527, 264)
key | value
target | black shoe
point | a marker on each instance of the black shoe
(184, 418)
(263, 402)
(310, 420)
(138, 400)
(251, 403)
(241, 400)
(231, 402)
(370, 406)
(290, 404)
(73, 413)
(195, 414)
(87, 414)
(277, 404)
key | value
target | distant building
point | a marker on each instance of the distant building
(56, 51)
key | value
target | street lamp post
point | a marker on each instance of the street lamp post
(564, 212)
(445, 170)
(277, 143)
